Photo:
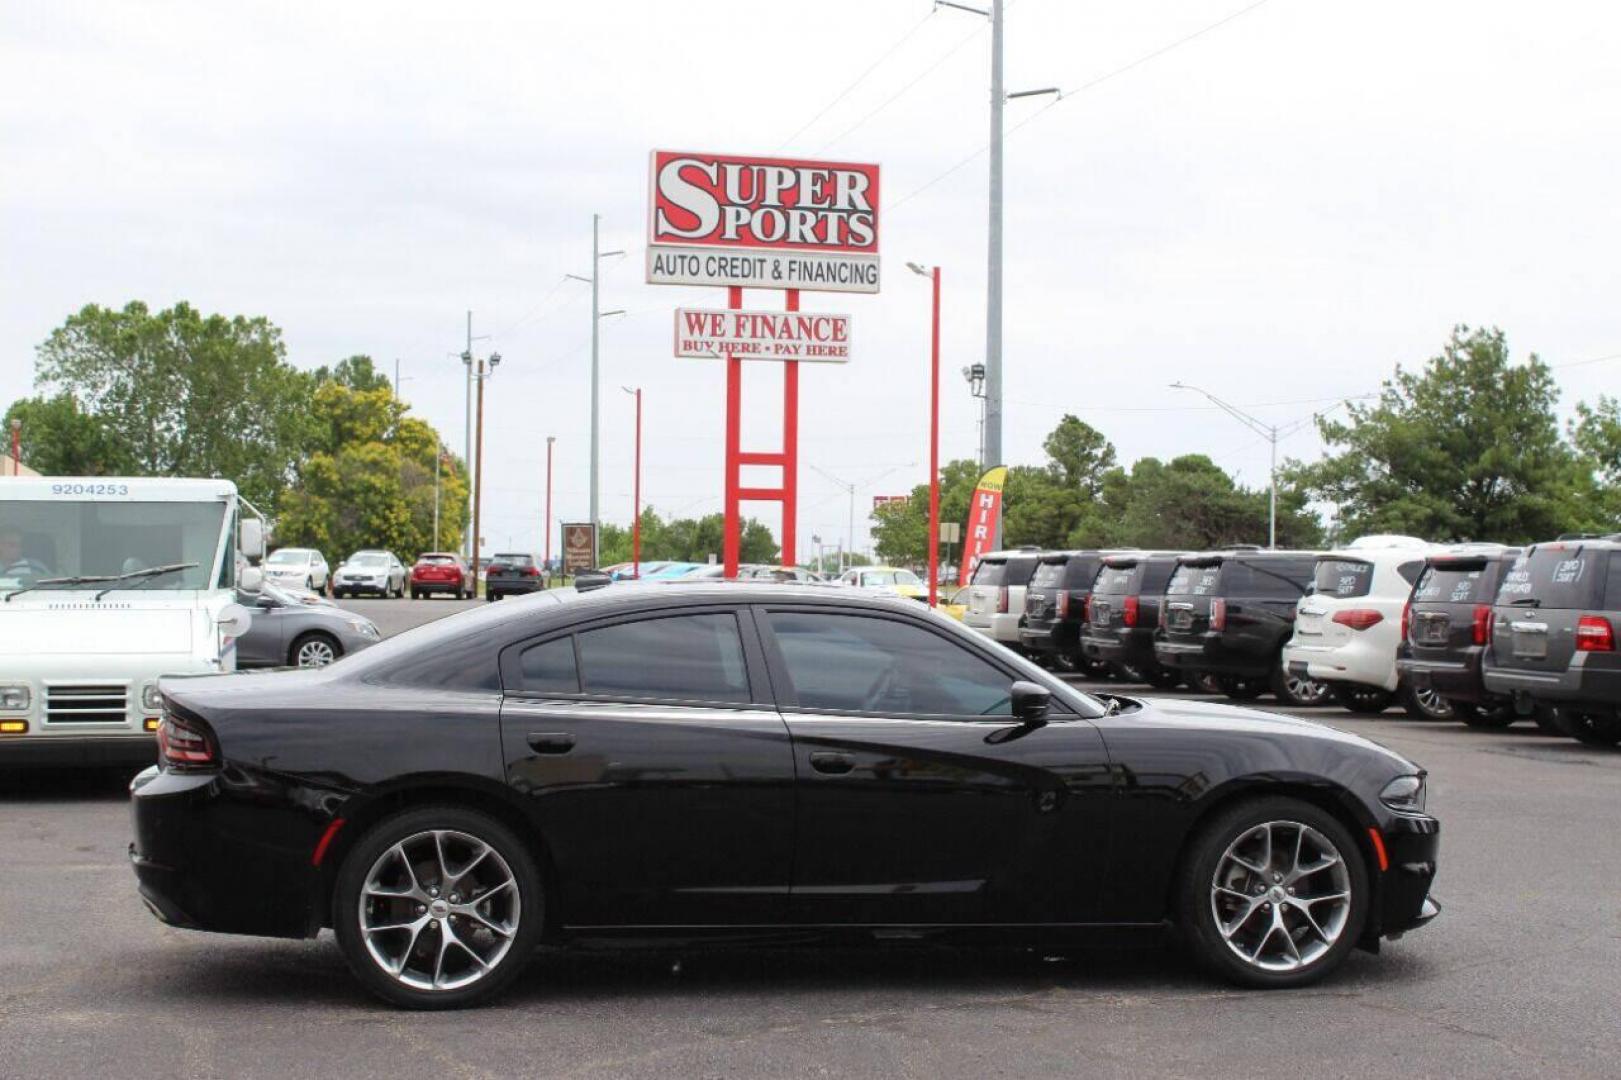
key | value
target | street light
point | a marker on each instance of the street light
(478, 468)
(636, 523)
(974, 374)
(546, 523)
(933, 274)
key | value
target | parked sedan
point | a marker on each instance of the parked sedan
(442, 572)
(287, 631)
(754, 762)
(379, 572)
(296, 567)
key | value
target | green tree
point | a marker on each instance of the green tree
(175, 393)
(684, 540)
(1188, 504)
(1465, 448)
(58, 438)
(1596, 433)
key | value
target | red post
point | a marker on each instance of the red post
(732, 542)
(934, 446)
(546, 526)
(790, 453)
(636, 526)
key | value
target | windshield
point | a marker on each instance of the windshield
(366, 560)
(1556, 576)
(878, 577)
(41, 540)
(286, 556)
(1194, 581)
(1342, 578)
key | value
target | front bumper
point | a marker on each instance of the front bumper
(1359, 661)
(352, 587)
(204, 862)
(1412, 843)
(52, 751)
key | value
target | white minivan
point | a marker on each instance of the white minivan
(107, 584)
(1348, 625)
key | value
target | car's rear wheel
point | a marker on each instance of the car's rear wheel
(1273, 894)
(313, 650)
(1484, 716)
(1591, 729)
(1207, 683)
(1241, 689)
(415, 595)
(1297, 690)
(438, 908)
(1366, 700)
(1426, 704)
(1162, 678)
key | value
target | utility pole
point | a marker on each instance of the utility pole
(636, 522)
(467, 360)
(993, 275)
(546, 526)
(478, 470)
(597, 315)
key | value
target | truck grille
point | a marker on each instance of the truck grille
(86, 704)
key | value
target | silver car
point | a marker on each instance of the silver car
(370, 571)
(289, 630)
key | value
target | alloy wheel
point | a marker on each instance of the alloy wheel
(316, 652)
(439, 910)
(1431, 704)
(1281, 896)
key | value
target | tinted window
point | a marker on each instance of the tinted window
(989, 573)
(851, 663)
(550, 668)
(1113, 579)
(1049, 574)
(1453, 585)
(514, 560)
(1194, 581)
(1265, 580)
(684, 657)
(1020, 570)
(1342, 578)
(1081, 571)
(1556, 576)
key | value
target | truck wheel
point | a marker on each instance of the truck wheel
(1589, 729)
(1162, 678)
(1297, 690)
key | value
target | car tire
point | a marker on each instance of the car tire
(1587, 728)
(1162, 678)
(1489, 717)
(416, 852)
(1242, 689)
(1254, 931)
(1206, 683)
(1362, 700)
(415, 595)
(1426, 704)
(1296, 690)
(314, 649)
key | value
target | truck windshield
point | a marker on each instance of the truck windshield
(40, 540)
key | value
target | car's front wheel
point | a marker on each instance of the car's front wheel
(438, 908)
(1274, 893)
(314, 650)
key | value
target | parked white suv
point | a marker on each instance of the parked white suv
(996, 593)
(1348, 626)
(298, 568)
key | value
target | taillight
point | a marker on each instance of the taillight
(1218, 614)
(1481, 625)
(182, 745)
(1002, 600)
(1131, 611)
(1063, 605)
(1595, 634)
(1406, 620)
(1086, 607)
(1359, 618)
(531, 571)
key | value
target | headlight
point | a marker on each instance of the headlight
(151, 700)
(15, 696)
(1405, 793)
(365, 629)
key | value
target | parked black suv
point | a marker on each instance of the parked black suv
(1123, 614)
(1553, 636)
(1055, 606)
(511, 573)
(1446, 628)
(1228, 614)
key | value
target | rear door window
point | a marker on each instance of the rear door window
(676, 658)
(1553, 577)
(1342, 578)
(1194, 581)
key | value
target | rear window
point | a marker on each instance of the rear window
(1019, 571)
(990, 573)
(1269, 580)
(1050, 574)
(514, 560)
(438, 560)
(1342, 578)
(1554, 577)
(1454, 585)
(1194, 581)
(1080, 572)
(1113, 580)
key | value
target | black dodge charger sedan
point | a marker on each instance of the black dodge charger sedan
(684, 762)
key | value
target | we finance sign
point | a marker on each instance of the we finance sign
(762, 335)
(762, 223)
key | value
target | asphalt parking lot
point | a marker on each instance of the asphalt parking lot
(1520, 975)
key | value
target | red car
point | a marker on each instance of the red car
(442, 571)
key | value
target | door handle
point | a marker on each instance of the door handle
(551, 742)
(834, 764)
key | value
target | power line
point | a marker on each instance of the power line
(842, 94)
(897, 95)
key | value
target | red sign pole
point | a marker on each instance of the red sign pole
(636, 526)
(731, 544)
(790, 453)
(934, 447)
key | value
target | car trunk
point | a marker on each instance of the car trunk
(1188, 596)
(1106, 610)
(1451, 606)
(1334, 580)
(1540, 605)
(437, 572)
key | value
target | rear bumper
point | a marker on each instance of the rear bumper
(510, 586)
(1362, 661)
(1132, 647)
(1002, 627)
(201, 863)
(1575, 685)
(48, 751)
(438, 586)
(1206, 654)
(1455, 679)
(1051, 637)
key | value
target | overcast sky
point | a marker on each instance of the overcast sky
(1280, 209)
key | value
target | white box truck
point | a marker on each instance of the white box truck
(106, 584)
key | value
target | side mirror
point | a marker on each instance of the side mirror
(250, 578)
(250, 540)
(266, 602)
(1030, 701)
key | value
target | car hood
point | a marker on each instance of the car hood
(1209, 716)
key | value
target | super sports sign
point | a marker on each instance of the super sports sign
(762, 223)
